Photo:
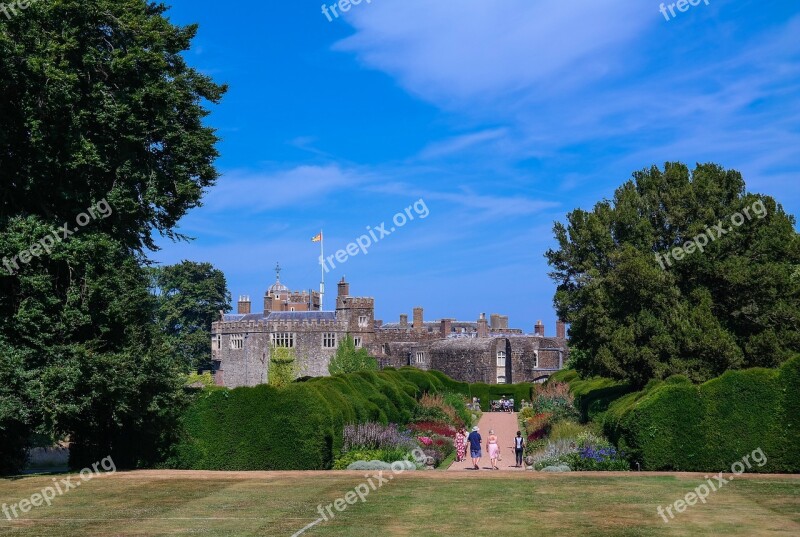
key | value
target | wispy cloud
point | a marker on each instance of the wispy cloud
(607, 84)
(458, 144)
(475, 51)
(253, 192)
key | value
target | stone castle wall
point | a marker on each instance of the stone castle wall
(465, 351)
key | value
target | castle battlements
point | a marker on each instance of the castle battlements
(354, 302)
(485, 350)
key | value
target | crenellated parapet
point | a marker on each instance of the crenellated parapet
(352, 302)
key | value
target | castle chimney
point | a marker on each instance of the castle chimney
(403, 320)
(483, 326)
(418, 326)
(561, 329)
(495, 321)
(244, 305)
(539, 329)
(344, 288)
(446, 327)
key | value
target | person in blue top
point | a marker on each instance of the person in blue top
(474, 440)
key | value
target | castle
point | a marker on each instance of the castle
(485, 350)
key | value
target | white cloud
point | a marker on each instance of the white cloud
(608, 80)
(253, 192)
(473, 51)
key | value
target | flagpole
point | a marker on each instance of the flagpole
(322, 268)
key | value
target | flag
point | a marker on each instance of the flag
(318, 238)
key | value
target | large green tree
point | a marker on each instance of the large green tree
(637, 314)
(96, 103)
(190, 296)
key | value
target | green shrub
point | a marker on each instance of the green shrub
(553, 454)
(566, 429)
(787, 446)
(538, 426)
(675, 425)
(589, 438)
(458, 402)
(534, 447)
(384, 455)
(554, 398)
(565, 375)
(297, 427)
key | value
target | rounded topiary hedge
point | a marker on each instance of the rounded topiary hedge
(299, 427)
(675, 425)
(592, 396)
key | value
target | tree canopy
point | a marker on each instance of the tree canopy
(96, 103)
(190, 296)
(638, 314)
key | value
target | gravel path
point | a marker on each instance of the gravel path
(505, 426)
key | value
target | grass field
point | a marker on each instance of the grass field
(412, 504)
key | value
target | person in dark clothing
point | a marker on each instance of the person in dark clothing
(519, 447)
(474, 440)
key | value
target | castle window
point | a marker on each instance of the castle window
(357, 341)
(363, 321)
(237, 341)
(218, 341)
(283, 339)
(535, 359)
(501, 379)
(329, 340)
(501, 358)
(385, 348)
(420, 357)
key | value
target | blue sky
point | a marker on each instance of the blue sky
(502, 116)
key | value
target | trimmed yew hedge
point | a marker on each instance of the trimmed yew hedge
(675, 425)
(299, 427)
(592, 396)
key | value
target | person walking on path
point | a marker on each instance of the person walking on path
(475, 440)
(492, 448)
(461, 445)
(519, 447)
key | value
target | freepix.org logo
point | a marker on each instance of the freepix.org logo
(681, 5)
(58, 488)
(98, 211)
(13, 9)
(363, 243)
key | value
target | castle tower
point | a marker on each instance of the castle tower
(357, 313)
(279, 298)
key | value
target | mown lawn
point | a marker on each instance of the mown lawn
(412, 504)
